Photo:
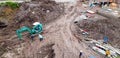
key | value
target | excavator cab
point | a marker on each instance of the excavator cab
(36, 28)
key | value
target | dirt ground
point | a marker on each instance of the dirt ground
(59, 33)
(44, 13)
(61, 37)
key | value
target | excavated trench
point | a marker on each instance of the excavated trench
(3, 25)
(46, 51)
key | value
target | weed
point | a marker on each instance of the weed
(13, 5)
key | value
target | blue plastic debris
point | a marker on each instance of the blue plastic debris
(91, 56)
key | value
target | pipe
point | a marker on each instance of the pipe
(107, 14)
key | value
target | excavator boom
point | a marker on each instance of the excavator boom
(35, 29)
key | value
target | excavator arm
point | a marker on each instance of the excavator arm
(24, 28)
(35, 29)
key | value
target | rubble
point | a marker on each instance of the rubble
(100, 28)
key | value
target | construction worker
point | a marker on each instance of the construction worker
(80, 55)
(107, 52)
(105, 39)
(32, 37)
(40, 37)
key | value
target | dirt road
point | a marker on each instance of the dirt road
(59, 33)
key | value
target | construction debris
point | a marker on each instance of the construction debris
(97, 29)
(109, 14)
(102, 48)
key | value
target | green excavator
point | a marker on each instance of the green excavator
(35, 29)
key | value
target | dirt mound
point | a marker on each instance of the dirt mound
(37, 11)
(104, 27)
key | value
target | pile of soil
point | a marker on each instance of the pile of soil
(30, 12)
(103, 27)
(42, 12)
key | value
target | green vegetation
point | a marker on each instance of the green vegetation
(1, 3)
(117, 56)
(13, 5)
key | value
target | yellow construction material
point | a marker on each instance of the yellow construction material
(113, 5)
(107, 52)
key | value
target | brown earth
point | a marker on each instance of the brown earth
(61, 39)
(59, 33)
(24, 16)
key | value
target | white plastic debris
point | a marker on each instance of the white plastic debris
(91, 12)
(84, 5)
(33, 12)
(79, 18)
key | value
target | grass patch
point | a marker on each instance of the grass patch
(13, 5)
(117, 56)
